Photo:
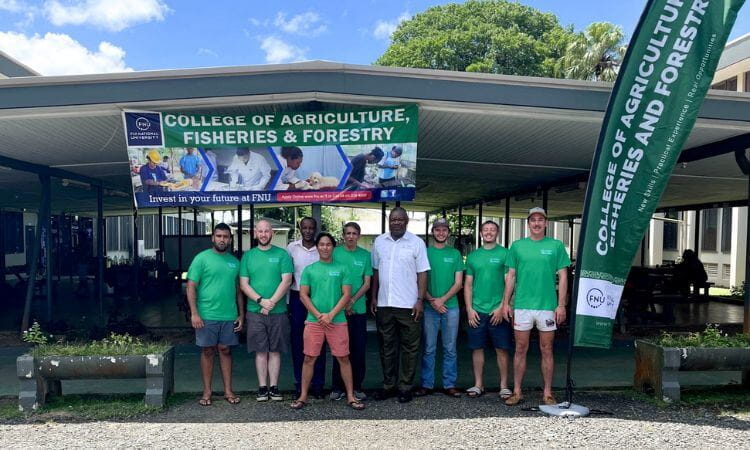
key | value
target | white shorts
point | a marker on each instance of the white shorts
(526, 319)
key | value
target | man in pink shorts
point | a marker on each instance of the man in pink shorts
(325, 289)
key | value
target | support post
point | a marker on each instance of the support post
(47, 192)
(460, 223)
(251, 231)
(2, 245)
(161, 235)
(136, 259)
(100, 246)
(697, 232)
(545, 205)
(239, 230)
(571, 226)
(506, 237)
(478, 227)
(213, 222)
(383, 206)
(35, 252)
(179, 240)
(195, 221)
(317, 214)
(398, 204)
(427, 228)
(746, 326)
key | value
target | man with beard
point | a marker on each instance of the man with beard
(216, 309)
(485, 280)
(533, 265)
(441, 313)
(400, 265)
(265, 276)
(303, 253)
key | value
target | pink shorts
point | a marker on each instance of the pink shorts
(336, 334)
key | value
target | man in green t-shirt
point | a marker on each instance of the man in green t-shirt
(485, 280)
(325, 290)
(533, 264)
(216, 306)
(441, 313)
(359, 263)
(265, 276)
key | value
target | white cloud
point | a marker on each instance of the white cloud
(59, 54)
(12, 6)
(112, 15)
(207, 52)
(305, 24)
(258, 23)
(278, 51)
(385, 28)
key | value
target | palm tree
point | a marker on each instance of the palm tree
(595, 55)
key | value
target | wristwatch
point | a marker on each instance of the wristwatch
(257, 300)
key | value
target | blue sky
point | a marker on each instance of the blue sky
(85, 36)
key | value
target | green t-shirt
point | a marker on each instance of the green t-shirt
(264, 268)
(216, 277)
(326, 281)
(359, 263)
(536, 264)
(444, 263)
(488, 267)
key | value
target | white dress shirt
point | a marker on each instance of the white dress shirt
(301, 257)
(255, 173)
(397, 263)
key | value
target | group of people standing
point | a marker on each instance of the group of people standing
(314, 293)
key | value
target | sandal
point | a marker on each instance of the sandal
(232, 399)
(298, 404)
(505, 393)
(356, 405)
(474, 392)
(204, 401)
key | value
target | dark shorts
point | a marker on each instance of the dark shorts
(267, 333)
(500, 335)
(216, 332)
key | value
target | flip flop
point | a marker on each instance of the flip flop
(356, 405)
(505, 393)
(204, 401)
(232, 399)
(474, 392)
(298, 404)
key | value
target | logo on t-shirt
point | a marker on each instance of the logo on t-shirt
(359, 263)
(273, 260)
(448, 260)
(546, 251)
(334, 273)
(495, 260)
(232, 265)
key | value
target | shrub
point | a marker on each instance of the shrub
(711, 337)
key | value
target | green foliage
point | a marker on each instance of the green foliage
(595, 54)
(492, 36)
(738, 291)
(711, 337)
(35, 335)
(114, 345)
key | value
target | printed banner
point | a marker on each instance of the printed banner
(667, 70)
(359, 155)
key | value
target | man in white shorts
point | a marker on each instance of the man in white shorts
(532, 264)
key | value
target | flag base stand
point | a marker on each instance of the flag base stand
(565, 409)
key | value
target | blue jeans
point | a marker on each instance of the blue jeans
(447, 325)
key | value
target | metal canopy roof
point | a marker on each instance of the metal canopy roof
(480, 136)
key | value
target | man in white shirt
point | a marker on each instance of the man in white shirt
(250, 170)
(400, 265)
(303, 253)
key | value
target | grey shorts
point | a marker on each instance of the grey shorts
(216, 332)
(267, 333)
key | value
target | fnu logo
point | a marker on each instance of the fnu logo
(595, 298)
(142, 124)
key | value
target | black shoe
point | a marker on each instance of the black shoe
(317, 393)
(262, 395)
(404, 396)
(384, 394)
(422, 391)
(275, 394)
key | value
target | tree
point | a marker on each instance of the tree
(595, 54)
(492, 36)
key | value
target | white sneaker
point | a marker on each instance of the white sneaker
(360, 395)
(336, 395)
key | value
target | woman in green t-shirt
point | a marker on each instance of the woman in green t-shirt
(325, 289)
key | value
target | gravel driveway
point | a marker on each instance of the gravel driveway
(434, 421)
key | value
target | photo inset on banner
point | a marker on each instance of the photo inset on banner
(318, 168)
(194, 169)
(381, 166)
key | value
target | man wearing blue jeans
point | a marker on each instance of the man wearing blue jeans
(441, 314)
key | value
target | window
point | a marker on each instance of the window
(726, 230)
(13, 232)
(670, 231)
(726, 85)
(113, 233)
(709, 224)
(747, 81)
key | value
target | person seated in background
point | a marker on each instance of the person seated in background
(689, 271)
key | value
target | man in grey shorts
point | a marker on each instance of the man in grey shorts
(265, 276)
(216, 307)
